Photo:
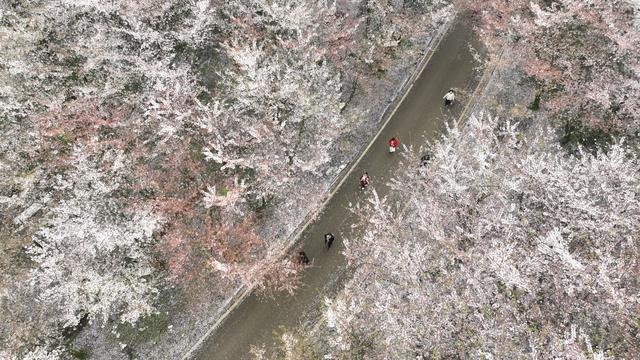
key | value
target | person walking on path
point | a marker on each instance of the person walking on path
(364, 180)
(303, 258)
(449, 97)
(328, 240)
(393, 144)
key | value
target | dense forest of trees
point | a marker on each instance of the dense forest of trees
(154, 148)
(582, 54)
(508, 247)
(151, 148)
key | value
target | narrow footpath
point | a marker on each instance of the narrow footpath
(419, 117)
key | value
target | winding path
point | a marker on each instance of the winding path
(420, 114)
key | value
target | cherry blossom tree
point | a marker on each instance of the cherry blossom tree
(93, 80)
(582, 53)
(507, 247)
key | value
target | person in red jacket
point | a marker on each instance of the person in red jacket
(393, 144)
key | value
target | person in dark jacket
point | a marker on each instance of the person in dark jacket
(303, 258)
(328, 240)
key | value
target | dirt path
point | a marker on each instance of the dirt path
(257, 320)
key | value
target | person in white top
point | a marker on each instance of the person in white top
(449, 97)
